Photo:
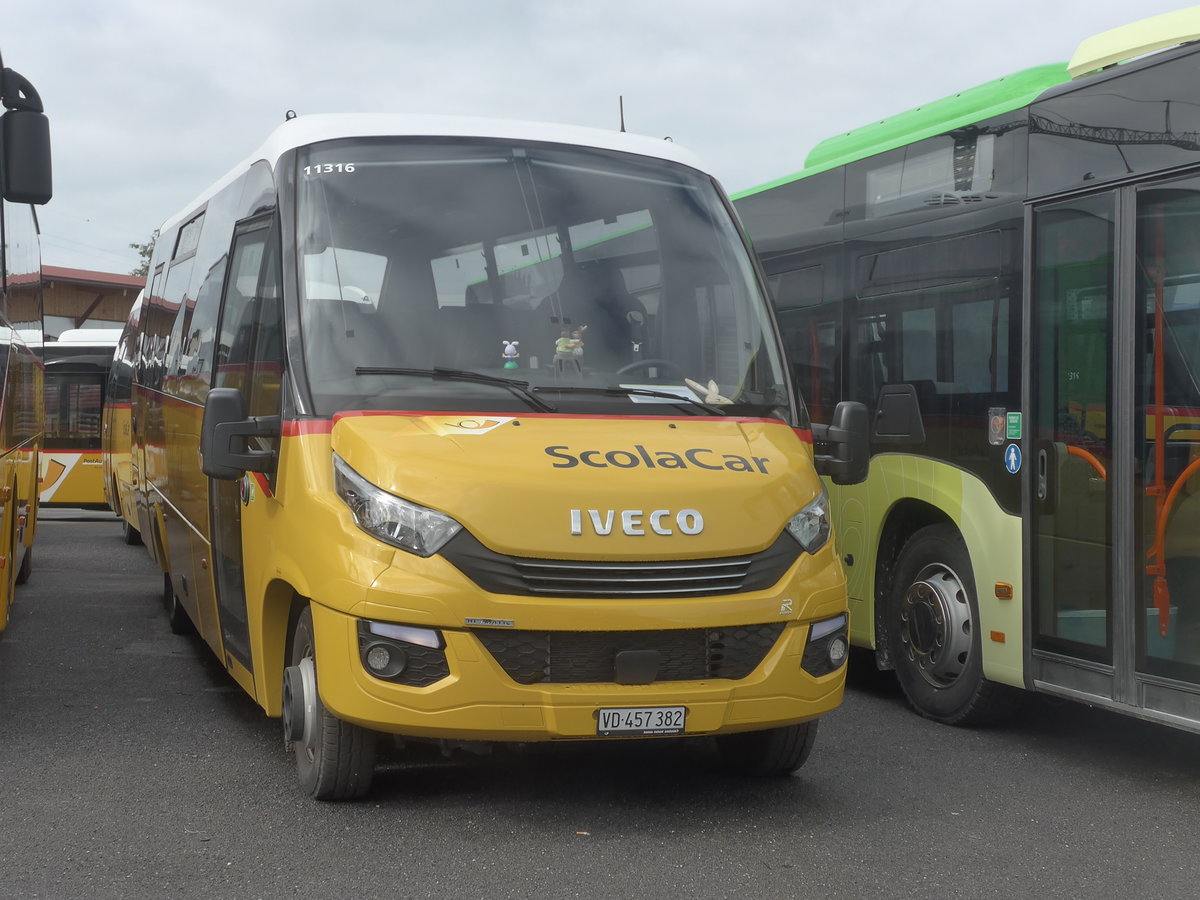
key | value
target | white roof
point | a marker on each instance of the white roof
(304, 130)
(101, 336)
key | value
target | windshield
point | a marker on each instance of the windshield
(601, 282)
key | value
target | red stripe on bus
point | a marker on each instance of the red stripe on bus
(299, 427)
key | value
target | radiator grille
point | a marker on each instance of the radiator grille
(501, 574)
(582, 657)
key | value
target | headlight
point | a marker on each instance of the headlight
(394, 521)
(810, 526)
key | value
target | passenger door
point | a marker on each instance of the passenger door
(248, 358)
(1113, 546)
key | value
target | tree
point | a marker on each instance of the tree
(145, 251)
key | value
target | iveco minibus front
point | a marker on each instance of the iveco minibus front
(516, 455)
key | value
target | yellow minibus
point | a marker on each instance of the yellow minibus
(473, 431)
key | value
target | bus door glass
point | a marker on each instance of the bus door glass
(1071, 384)
(249, 327)
(1167, 429)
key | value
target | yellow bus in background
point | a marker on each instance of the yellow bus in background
(472, 431)
(76, 374)
(25, 181)
(117, 469)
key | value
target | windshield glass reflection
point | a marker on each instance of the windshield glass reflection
(601, 282)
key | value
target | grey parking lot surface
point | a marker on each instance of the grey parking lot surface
(132, 766)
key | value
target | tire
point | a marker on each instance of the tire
(177, 616)
(132, 536)
(339, 763)
(26, 569)
(934, 636)
(772, 753)
(10, 571)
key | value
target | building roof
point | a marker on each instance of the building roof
(92, 279)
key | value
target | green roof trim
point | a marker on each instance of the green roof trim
(991, 99)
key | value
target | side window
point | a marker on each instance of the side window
(979, 330)
(919, 344)
(266, 359)
(239, 311)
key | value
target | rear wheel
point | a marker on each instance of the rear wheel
(177, 616)
(132, 536)
(26, 569)
(934, 635)
(775, 752)
(10, 570)
(335, 760)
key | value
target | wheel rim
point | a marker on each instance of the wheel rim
(307, 745)
(936, 626)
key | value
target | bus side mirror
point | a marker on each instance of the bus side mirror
(843, 448)
(223, 432)
(25, 138)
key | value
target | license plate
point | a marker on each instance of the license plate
(641, 720)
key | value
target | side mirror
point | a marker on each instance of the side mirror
(223, 432)
(843, 447)
(26, 142)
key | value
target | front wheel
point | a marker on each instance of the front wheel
(933, 633)
(771, 753)
(334, 759)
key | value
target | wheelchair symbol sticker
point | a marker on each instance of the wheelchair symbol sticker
(1012, 459)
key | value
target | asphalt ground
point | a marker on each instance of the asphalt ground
(132, 766)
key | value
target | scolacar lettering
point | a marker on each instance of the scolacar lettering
(639, 457)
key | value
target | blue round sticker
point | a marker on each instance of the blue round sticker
(1012, 459)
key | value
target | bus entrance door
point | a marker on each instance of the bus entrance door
(1113, 540)
(1070, 547)
(249, 327)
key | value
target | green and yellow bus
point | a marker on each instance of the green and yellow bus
(472, 431)
(1009, 278)
(25, 181)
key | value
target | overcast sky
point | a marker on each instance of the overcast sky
(152, 100)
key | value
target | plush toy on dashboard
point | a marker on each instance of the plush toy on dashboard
(569, 348)
(709, 393)
(511, 355)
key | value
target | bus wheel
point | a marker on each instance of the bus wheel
(10, 570)
(26, 569)
(132, 536)
(177, 616)
(770, 753)
(335, 760)
(933, 633)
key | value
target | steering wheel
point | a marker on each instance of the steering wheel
(636, 365)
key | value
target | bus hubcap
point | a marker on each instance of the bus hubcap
(935, 625)
(299, 713)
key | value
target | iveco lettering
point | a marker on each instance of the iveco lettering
(455, 430)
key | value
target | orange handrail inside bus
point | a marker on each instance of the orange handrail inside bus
(1089, 457)
(1162, 595)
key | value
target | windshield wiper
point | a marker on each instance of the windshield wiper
(634, 392)
(520, 388)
